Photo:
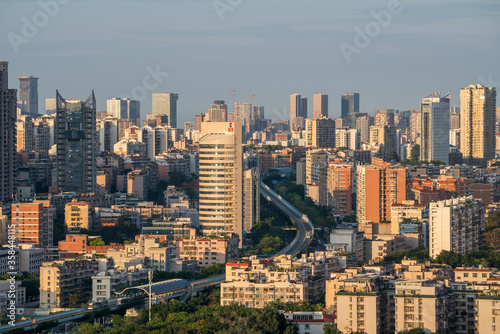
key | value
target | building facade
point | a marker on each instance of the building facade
(76, 141)
(435, 125)
(221, 177)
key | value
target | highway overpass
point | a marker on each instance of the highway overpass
(170, 289)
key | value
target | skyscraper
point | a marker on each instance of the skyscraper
(363, 126)
(435, 127)
(218, 111)
(456, 225)
(454, 118)
(243, 114)
(320, 132)
(76, 145)
(298, 111)
(221, 178)
(258, 112)
(349, 104)
(378, 187)
(384, 116)
(200, 118)
(320, 105)
(339, 188)
(477, 123)
(251, 198)
(166, 104)
(28, 96)
(8, 131)
(124, 109)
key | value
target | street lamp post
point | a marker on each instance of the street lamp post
(150, 276)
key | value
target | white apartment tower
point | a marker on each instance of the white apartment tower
(456, 225)
(435, 126)
(221, 178)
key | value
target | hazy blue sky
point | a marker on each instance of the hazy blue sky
(269, 48)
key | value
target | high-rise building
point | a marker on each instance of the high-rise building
(347, 138)
(456, 225)
(454, 118)
(314, 157)
(200, 118)
(298, 111)
(415, 127)
(76, 141)
(218, 112)
(251, 198)
(320, 132)
(320, 105)
(258, 112)
(25, 129)
(221, 178)
(107, 130)
(8, 130)
(125, 109)
(477, 123)
(188, 126)
(339, 181)
(363, 126)
(384, 116)
(386, 137)
(28, 96)
(50, 105)
(379, 186)
(349, 104)
(435, 126)
(34, 223)
(166, 104)
(243, 115)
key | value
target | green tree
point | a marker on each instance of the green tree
(73, 300)
(330, 329)
(415, 154)
(394, 156)
(97, 242)
(86, 328)
(177, 178)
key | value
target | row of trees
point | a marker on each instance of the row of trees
(267, 238)
(204, 314)
(486, 257)
(201, 314)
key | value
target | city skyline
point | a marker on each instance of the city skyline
(174, 47)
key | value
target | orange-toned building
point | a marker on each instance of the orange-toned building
(28, 219)
(378, 187)
(74, 246)
(339, 180)
(34, 223)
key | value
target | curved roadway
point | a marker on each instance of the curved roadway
(301, 241)
(304, 225)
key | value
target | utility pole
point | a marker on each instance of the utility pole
(150, 276)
